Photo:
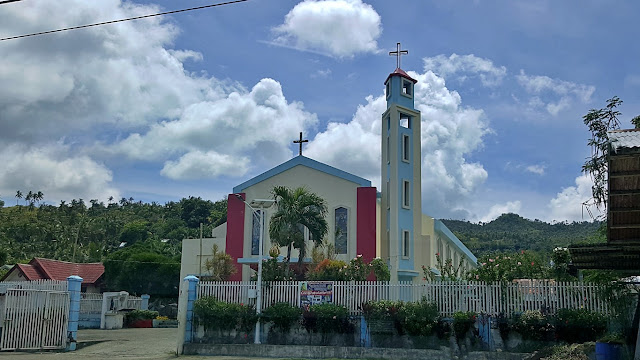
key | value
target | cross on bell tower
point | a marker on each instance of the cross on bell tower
(398, 53)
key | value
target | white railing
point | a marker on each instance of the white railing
(53, 285)
(90, 303)
(450, 297)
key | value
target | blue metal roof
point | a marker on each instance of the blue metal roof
(440, 226)
(304, 161)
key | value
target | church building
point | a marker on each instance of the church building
(362, 221)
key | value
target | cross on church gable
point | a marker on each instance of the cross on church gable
(300, 142)
(398, 53)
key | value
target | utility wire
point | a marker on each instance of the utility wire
(120, 20)
(8, 1)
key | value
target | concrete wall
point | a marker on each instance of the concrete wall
(191, 255)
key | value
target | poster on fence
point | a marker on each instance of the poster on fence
(315, 292)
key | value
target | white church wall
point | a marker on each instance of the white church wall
(192, 257)
(337, 192)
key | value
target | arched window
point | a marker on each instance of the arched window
(255, 233)
(342, 230)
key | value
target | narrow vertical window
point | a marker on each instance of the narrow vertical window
(341, 220)
(407, 87)
(388, 88)
(388, 150)
(255, 233)
(406, 194)
(406, 146)
(405, 121)
(406, 243)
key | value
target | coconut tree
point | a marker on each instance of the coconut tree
(18, 196)
(296, 209)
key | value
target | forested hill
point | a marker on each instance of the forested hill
(511, 232)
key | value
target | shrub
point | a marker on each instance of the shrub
(141, 315)
(357, 270)
(331, 270)
(533, 325)
(579, 325)
(282, 316)
(418, 318)
(330, 318)
(380, 269)
(462, 323)
(216, 315)
(379, 314)
(247, 317)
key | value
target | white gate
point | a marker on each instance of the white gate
(35, 319)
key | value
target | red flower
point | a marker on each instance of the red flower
(532, 263)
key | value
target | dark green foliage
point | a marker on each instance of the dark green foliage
(327, 318)
(419, 318)
(533, 325)
(579, 325)
(380, 269)
(218, 315)
(462, 323)
(513, 233)
(94, 232)
(412, 318)
(143, 269)
(282, 316)
(141, 315)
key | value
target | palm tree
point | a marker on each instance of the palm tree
(297, 209)
(18, 196)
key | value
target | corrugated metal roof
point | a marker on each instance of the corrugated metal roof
(629, 138)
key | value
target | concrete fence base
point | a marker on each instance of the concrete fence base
(326, 352)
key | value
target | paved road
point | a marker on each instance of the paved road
(156, 344)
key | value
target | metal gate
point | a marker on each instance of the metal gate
(35, 319)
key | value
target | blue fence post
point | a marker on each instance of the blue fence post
(191, 298)
(365, 334)
(74, 284)
(144, 304)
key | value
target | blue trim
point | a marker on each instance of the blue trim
(440, 226)
(411, 273)
(304, 161)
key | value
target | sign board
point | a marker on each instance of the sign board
(315, 292)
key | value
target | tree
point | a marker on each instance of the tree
(220, 267)
(636, 122)
(297, 209)
(599, 122)
(18, 196)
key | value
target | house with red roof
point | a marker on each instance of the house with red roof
(92, 274)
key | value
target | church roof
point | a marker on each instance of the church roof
(440, 226)
(400, 72)
(304, 161)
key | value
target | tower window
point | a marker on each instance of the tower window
(406, 194)
(405, 121)
(388, 151)
(406, 243)
(405, 148)
(388, 88)
(407, 87)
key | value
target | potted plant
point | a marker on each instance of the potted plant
(609, 347)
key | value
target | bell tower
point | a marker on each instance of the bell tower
(401, 205)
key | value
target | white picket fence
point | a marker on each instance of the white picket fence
(53, 285)
(449, 296)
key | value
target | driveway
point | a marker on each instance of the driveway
(156, 343)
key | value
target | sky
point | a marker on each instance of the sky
(194, 103)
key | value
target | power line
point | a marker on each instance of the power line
(120, 20)
(8, 1)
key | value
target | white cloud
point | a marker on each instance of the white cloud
(204, 165)
(321, 73)
(449, 133)
(498, 209)
(536, 169)
(341, 28)
(489, 74)
(56, 172)
(568, 204)
(560, 94)
(243, 124)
